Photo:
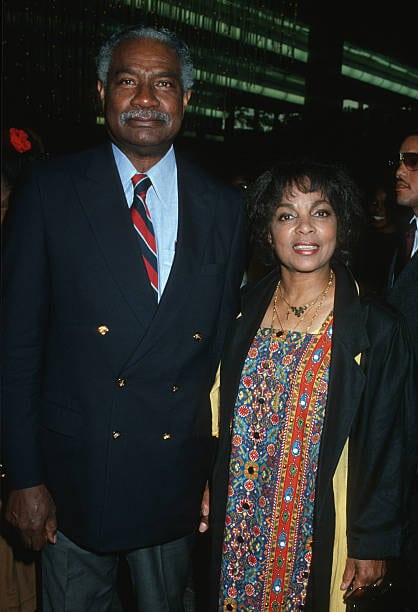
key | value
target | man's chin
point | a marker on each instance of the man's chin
(145, 147)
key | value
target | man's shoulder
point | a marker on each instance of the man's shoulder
(195, 173)
(405, 288)
(74, 161)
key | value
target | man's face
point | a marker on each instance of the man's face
(407, 180)
(143, 99)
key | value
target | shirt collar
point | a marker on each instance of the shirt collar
(158, 173)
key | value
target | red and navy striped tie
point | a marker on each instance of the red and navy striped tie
(141, 219)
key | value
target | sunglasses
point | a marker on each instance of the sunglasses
(410, 161)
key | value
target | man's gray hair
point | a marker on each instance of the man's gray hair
(163, 35)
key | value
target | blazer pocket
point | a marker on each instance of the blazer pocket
(60, 418)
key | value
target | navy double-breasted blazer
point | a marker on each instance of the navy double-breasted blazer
(106, 394)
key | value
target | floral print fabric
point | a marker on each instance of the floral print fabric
(276, 434)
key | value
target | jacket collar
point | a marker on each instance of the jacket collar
(347, 307)
(102, 197)
(350, 339)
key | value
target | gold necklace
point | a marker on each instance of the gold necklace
(301, 316)
(276, 315)
(298, 311)
(321, 301)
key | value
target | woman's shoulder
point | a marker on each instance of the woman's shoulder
(374, 306)
(253, 289)
(377, 307)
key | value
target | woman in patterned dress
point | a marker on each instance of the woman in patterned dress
(309, 485)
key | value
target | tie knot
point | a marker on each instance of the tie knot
(141, 182)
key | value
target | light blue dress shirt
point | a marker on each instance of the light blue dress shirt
(162, 201)
(414, 221)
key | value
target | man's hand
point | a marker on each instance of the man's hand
(32, 512)
(363, 572)
(204, 511)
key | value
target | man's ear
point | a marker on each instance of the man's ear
(186, 97)
(101, 92)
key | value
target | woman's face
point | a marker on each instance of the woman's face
(377, 207)
(304, 231)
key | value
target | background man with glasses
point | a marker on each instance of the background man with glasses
(403, 294)
(403, 276)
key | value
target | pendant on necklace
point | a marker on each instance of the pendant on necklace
(297, 310)
(279, 333)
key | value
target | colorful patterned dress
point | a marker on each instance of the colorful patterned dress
(276, 434)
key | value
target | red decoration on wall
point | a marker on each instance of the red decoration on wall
(19, 140)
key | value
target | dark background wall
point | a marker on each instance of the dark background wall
(50, 84)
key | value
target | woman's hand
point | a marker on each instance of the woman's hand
(204, 511)
(362, 572)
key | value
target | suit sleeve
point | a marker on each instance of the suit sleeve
(380, 452)
(234, 275)
(25, 307)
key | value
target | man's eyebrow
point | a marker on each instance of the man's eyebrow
(159, 74)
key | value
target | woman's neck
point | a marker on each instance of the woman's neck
(301, 287)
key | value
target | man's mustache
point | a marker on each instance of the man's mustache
(401, 183)
(145, 115)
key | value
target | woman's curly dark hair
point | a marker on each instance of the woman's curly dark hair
(334, 183)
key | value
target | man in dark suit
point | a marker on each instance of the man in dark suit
(403, 281)
(403, 294)
(107, 370)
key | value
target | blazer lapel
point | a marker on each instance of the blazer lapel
(254, 303)
(399, 268)
(347, 378)
(194, 222)
(405, 272)
(103, 200)
(195, 219)
(195, 214)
